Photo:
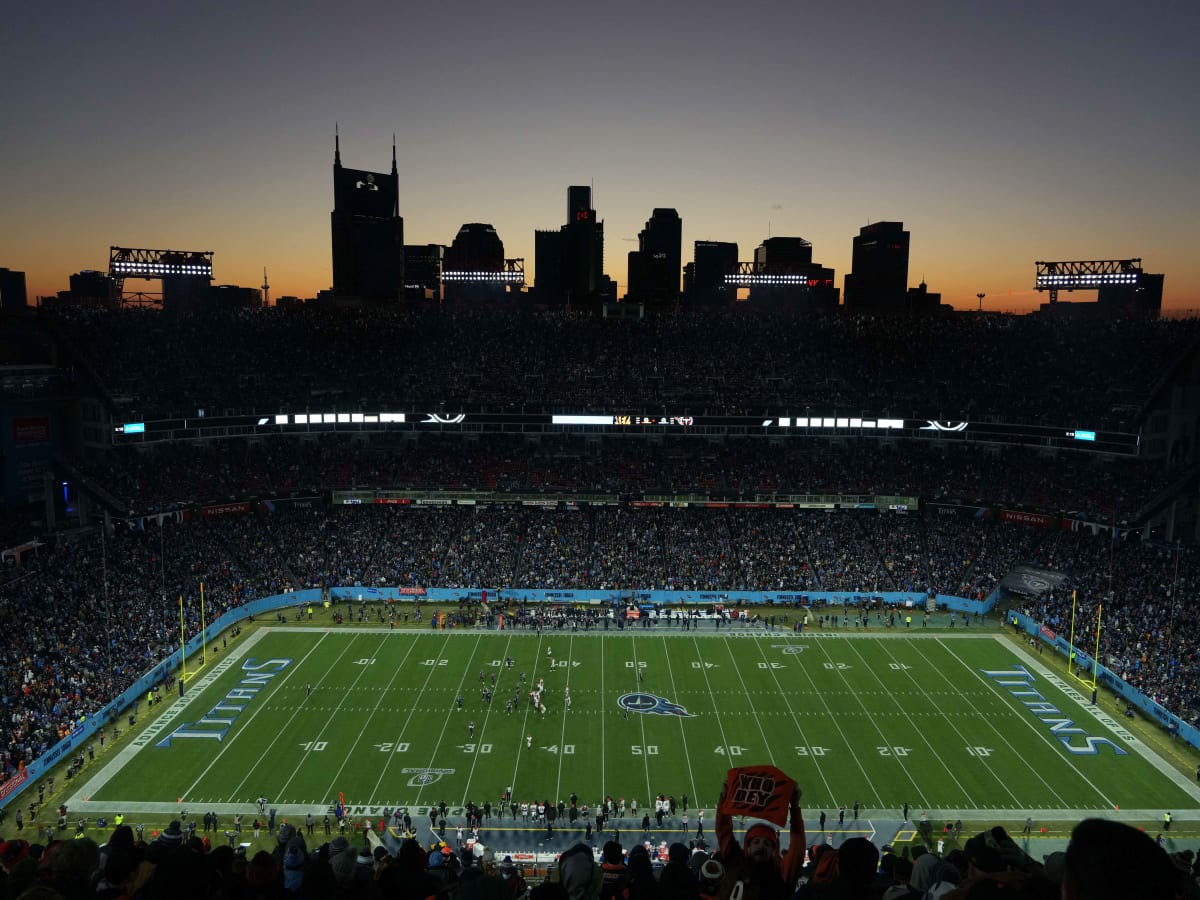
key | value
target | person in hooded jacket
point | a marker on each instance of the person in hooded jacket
(676, 881)
(857, 862)
(641, 874)
(578, 872)
(408, 879)
(294, 859)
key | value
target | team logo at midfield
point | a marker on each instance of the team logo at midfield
(652, 705)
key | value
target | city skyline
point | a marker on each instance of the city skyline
(997, 136)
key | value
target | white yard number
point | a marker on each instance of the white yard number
(483, 748)
(894, 751)
(629, 664)
(704, 665)
(435, 662)
(364, 662)
(837, 665)
(770, 665)
(811, 751)
(390, 747)
(899, 667)
(733, 750)
(314, 746)
(559, 663)
(980, 751)
(648, 750)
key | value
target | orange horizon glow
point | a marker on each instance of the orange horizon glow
(994, 140)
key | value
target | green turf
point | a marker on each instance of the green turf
(880, 720)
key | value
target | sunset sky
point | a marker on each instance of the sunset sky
(999, 133)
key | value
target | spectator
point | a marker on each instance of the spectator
(578, 872)
(1108, 860)
(757, 861)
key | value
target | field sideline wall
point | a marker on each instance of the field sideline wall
(786, 599)
(1108, 679)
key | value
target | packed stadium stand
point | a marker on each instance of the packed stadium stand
(84, 612)
(1023, 368)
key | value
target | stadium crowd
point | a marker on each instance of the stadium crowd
(91, 612)
(1037, 370)
(147, 479)
(1104, 860)
(1149, 633)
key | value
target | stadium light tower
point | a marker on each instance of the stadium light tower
(981, 296)
(1091, 274)
(182, 272)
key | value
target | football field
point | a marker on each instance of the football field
(960, 725)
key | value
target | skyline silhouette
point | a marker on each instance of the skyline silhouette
(998, 136)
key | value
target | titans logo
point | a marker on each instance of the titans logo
(650, 704)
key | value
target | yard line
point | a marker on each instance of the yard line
(436, 755)
(325, 727)
(799, 728)
(1046, 738)
(524, 720)
(899, 761)
(990, 725)
(383, 695)
(924, 737)
(819, 694)
(757, 719)
(603, 750)
(483, 727)
(225, 745)
(411, 712)
(713, 697)
(641, 718)
(563, 737)
(683, 734)
(948, 719)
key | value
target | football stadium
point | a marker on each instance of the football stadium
(524, 610)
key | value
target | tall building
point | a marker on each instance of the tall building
(473, 268)
(423, 271)
(92, 288)
(713, 260)
(579, 203)
(232, 296)
(784, 274)
(655, 266)
(569, 263)
(368, 233)
(549, 265)
(878, 279)
(12, 289)
(790, 253)
(1142, 300)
